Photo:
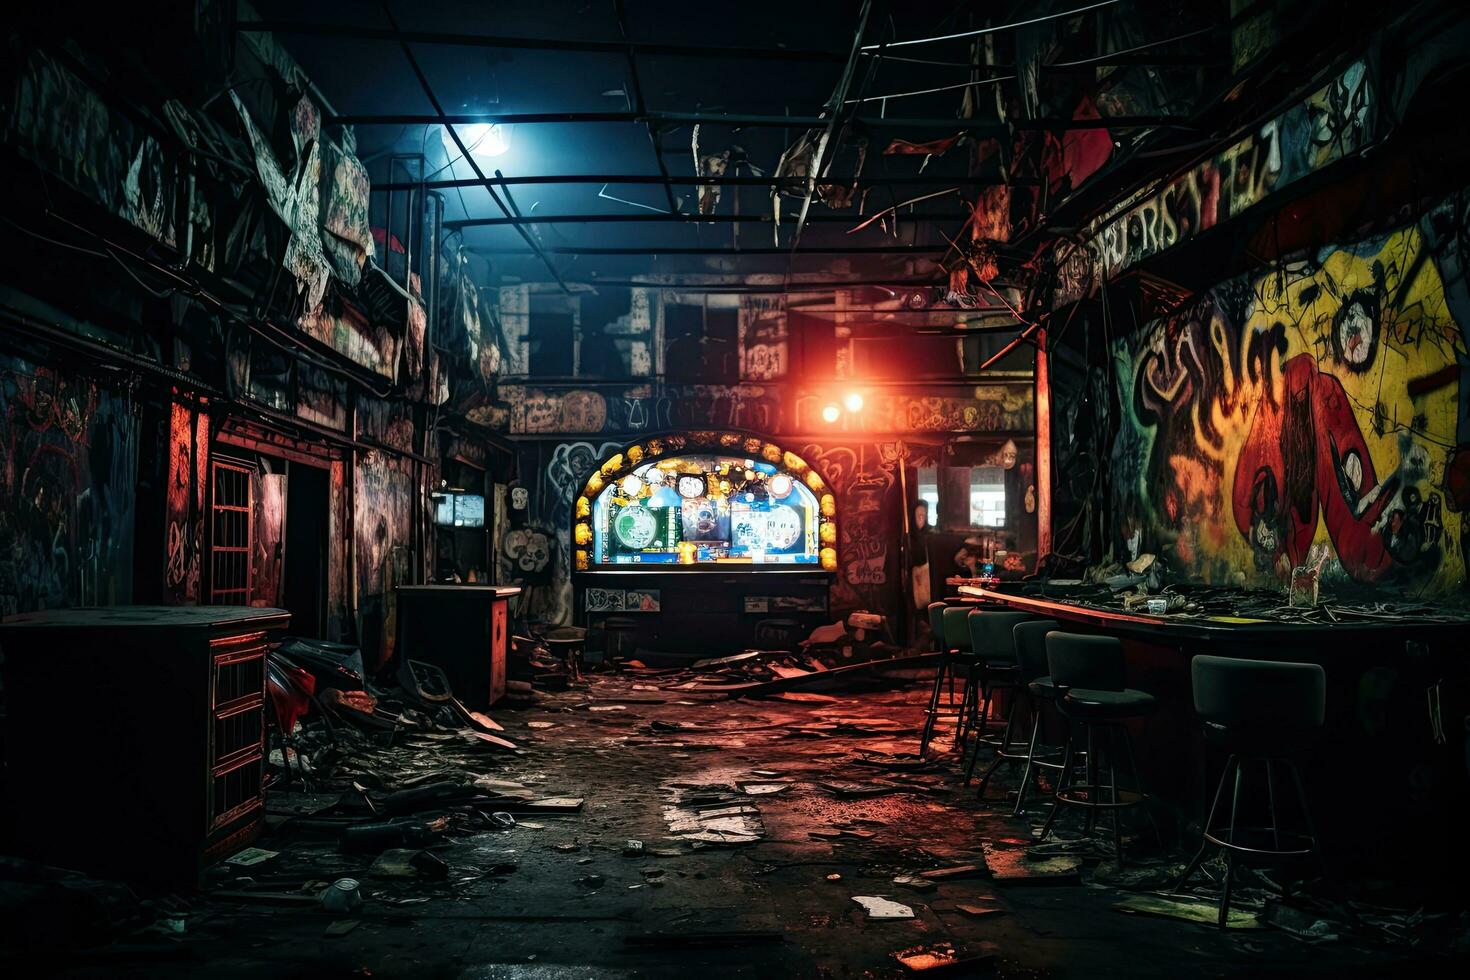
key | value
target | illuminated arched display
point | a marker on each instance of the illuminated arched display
(703, 499)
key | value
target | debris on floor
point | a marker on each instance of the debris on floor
(1187, 910)
(1012, 865)
(878, 907)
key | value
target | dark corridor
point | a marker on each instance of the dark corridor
(305, 572)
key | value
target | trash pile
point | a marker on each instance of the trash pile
(856, 655)
(371, 780)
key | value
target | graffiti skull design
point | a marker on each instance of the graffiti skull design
(529, 549)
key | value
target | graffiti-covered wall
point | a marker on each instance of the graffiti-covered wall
(1314, 413)
(68, 472)
(860, 464)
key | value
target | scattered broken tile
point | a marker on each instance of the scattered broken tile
(1012, 865)
(763, 789)
(1188, 910)
(978, 911)
(852, 791)
(878, 907)
(250, 856)
(340, 927)
(942, 958)
(955, 871)
(915, 883)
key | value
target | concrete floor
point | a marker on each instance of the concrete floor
(549, 918)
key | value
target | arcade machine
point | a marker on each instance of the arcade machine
(709, 542)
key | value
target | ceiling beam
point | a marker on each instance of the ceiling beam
(754, 121)
(896, 249)
(689, 179)
(358, 32)
(639, 106)
(413, 63)
(683, 219)
(362, 33)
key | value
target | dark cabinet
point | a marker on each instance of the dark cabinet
(461, 629)
(135, 737)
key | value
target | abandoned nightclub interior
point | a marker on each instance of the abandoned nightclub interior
(593, 489)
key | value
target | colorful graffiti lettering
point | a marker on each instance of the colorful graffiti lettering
(861, 478)
(1313, 413)
(1332, 123)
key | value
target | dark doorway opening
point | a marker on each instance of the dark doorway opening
(304, 593)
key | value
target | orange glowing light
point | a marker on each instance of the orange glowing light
(831, 413)
(853, 401)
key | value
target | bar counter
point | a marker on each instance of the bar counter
(1391, 764)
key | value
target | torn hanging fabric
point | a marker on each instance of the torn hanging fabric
(348, 241)
(708, 165)
(295, 198)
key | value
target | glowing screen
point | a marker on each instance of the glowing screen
(701, 509)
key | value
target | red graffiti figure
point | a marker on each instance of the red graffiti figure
(1306, 455)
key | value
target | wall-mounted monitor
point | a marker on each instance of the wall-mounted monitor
(459, 510)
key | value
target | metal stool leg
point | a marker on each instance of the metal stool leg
(967, 711)
(1005, 745)
(1301, 796)
(933, 712)
(1204, 843)
(1113, 796)
(1138, 787)
(1092, 779)
(1030, 758)
(1063, 781)
(1229, 853)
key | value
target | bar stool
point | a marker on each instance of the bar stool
(948, 662)
(1039, 692)
(1096, 700)
(567, 643)
(992, 640)
(1263, 712)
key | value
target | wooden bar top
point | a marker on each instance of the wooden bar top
(1209, 627)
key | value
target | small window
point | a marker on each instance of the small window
(551, 344)
(929, 491)
(987, 496)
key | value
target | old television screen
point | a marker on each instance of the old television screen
(460, 510)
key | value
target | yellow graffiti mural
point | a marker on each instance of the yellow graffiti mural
(1306, 415)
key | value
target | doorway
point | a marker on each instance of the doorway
(304, 589)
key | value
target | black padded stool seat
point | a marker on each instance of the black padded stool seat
(1035, 688)
(1089, 673)
(993, 644)
(1043, 687)
(956, 628)
(936, 623)
(1263, 713)
(1083, 703)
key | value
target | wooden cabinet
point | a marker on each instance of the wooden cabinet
(135, 737)
(461, 629)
